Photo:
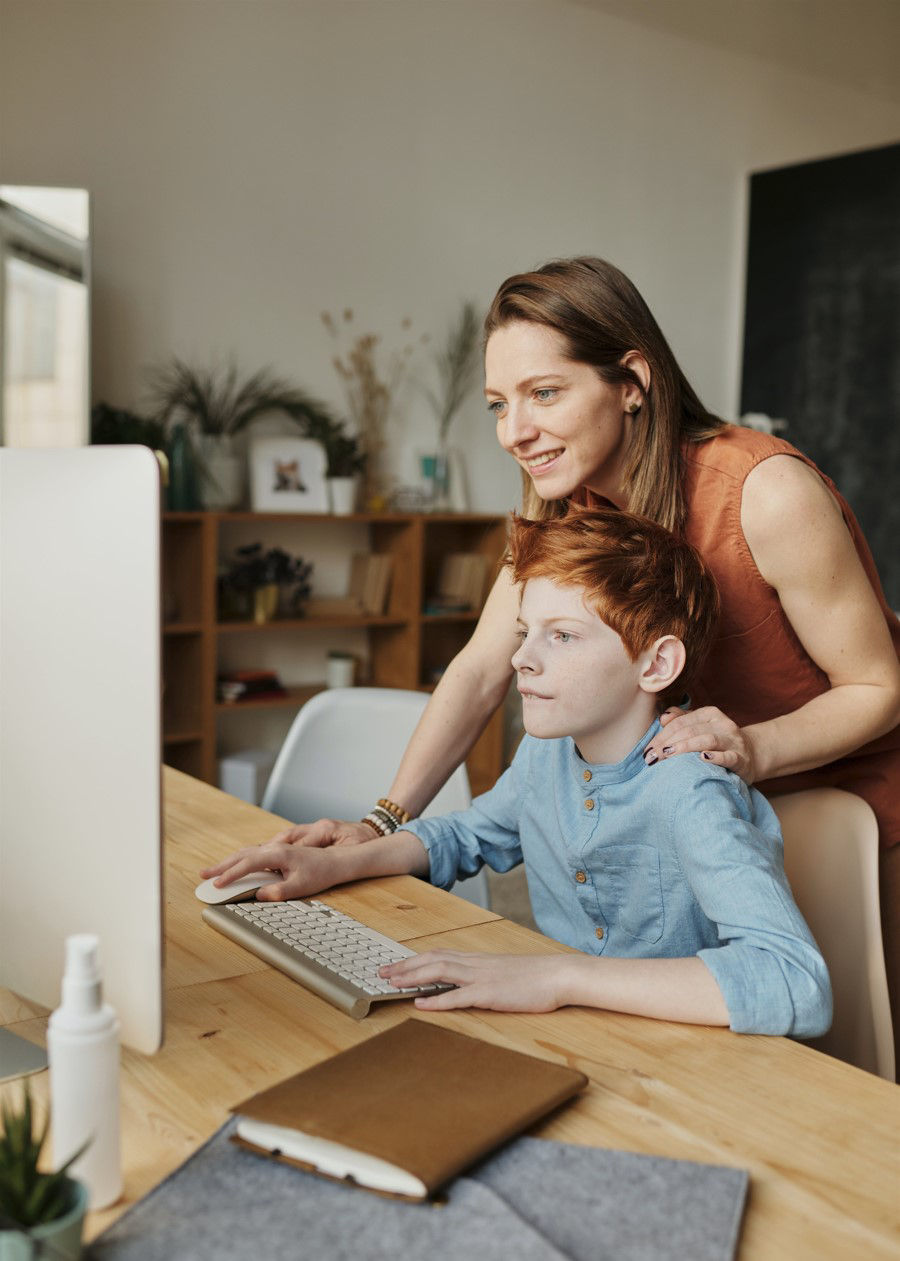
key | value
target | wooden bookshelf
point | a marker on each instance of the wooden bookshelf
(406, 647)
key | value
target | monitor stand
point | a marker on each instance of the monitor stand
(19, 1057)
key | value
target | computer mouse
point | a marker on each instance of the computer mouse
(240, 890)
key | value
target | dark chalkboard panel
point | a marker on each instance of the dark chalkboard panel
(822, 331)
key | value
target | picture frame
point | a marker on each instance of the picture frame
(287, 474)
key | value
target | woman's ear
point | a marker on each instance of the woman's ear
(639, 366)
(662, 664)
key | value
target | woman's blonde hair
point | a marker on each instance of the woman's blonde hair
(601, 317)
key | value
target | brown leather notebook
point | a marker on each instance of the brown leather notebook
(404, 1112)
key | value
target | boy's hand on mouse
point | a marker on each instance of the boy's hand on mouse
(495, 982)
(303, 871)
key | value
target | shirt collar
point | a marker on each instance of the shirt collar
(604, 773)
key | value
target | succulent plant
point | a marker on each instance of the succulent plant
(29, 1197)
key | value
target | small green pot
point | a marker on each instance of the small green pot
(59, 1240)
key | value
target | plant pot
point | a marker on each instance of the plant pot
(342, 495)
(340, 669)
(222, 474)
(265, 602)
(59, 1240)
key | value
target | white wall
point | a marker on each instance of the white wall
(252, 162)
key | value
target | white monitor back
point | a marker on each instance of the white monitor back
(80, 813)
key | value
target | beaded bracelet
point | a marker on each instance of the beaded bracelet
(389, 821)
(378, 824)
(403, 816)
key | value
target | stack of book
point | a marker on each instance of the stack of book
(249, 685)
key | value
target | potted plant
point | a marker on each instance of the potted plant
(207, 407)
(346, 460)
(260, 584)
(456, 363)
(41, 1214)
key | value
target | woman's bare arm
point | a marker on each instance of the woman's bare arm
(472, 687)
(802, 547)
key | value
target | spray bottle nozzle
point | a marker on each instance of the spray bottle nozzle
(81, 979)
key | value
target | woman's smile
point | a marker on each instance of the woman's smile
(537, 464)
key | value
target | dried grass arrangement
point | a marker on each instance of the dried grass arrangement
(370, 382)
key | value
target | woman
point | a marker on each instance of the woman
(803, 686)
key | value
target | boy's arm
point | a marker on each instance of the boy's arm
(459, 844)
(666, 989)
(768, 967)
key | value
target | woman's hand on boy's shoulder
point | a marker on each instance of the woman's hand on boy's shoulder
(710, 733)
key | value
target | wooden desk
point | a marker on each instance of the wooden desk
(820, 1139)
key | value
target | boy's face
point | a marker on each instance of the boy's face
(575, 677)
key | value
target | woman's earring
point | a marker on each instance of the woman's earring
(634, 409)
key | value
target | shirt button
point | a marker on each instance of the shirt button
(580, 877)
(589, 804)
(586, 775)
(599, 932)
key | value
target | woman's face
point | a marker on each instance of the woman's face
(563, 424)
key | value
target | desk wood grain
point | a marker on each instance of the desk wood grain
(820, 1139)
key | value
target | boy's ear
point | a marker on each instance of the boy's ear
(662, 664)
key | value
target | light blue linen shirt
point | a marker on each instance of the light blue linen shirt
(637, 861)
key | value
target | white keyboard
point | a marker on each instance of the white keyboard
(329, 952)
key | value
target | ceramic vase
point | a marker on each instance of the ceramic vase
(265, 603)
(222, 473)
(342, 495)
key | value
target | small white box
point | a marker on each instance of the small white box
(246, 774)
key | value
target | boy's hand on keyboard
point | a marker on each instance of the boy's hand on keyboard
(325, 832)
(496, 982)
(296, 870)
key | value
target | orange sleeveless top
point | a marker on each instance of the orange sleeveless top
(758, 669)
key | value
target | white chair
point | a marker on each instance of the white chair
(831, 860)
(342, 753)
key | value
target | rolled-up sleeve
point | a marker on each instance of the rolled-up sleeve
(459, 844)
(770, 971)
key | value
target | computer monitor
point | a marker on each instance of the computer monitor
(80, 806)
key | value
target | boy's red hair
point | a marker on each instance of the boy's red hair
(642, 581)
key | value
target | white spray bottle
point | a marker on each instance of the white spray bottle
(83, 1046)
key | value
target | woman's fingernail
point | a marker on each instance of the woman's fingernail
(667, 748)
(708, 756)
(650, 757)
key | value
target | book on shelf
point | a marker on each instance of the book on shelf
(404, 1111)
(367, 593)
(233, 686)
(460, 586)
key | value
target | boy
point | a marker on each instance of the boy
(668, 879)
